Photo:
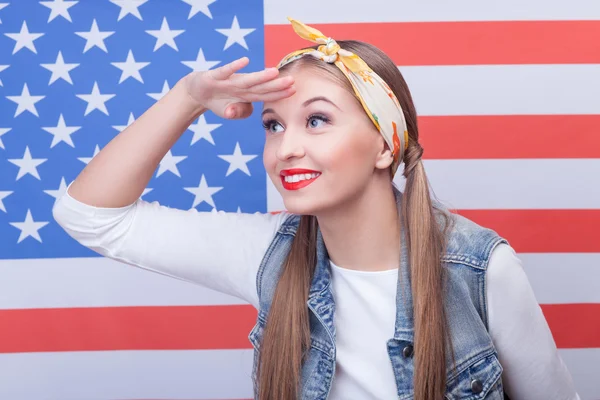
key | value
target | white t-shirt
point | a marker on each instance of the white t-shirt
(223, 251)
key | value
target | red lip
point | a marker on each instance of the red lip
(295, 171)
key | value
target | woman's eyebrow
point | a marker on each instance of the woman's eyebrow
(319, 98)
(306, 103)
(266, 111)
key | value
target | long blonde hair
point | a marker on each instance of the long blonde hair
(286, 337)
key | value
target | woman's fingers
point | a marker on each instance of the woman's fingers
(271, 96)
(240, 90)
(227, 70)
(245, 81)
(273, 85)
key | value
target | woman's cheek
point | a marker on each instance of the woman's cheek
(336, 152)
(269, 157)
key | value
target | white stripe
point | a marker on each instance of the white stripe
(583, 365)
(504, 89)
(561, 278)
(199, 374)
(100, 282)
(95, 282)
(339, 11)
(515, 184)
(503, 184)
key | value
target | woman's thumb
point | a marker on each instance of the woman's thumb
(239, 111)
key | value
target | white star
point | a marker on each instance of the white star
(62, 188)
(24, 39)
(95, 100)
(130, 68)
(2, 132)
(2, 68)
(200, 64)
(237, 160)
(87, 160)
(199, 6)
(59, 7)
(235, 34)
(203, 192)
(59, 69)
(121, 128)
(202, 130)
(25, 102)
(3, 195)
(94, 37)
(169, 163)
(158, 96)
(29, 228)
(129, 7)
(62, 132)
(165, 36)
(27, 165)
(2, 5)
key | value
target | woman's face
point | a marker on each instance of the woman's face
(321, 148)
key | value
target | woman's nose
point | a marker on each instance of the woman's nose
(290, 146)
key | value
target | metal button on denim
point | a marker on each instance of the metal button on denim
(476, 386)
(407, 351)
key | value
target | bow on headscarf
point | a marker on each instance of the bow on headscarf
(376, 97)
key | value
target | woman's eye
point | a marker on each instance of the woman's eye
(315, 121)
(271, 126)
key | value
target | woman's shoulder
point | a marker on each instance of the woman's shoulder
(505, 268)
(467, 241)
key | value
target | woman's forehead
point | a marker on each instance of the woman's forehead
(312, 87)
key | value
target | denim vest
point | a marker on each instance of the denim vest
(478, 372)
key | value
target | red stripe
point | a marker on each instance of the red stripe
(510, 136)
(201, 327)
(543, 231)
(574, 325)
(126, 328)
(458, 43)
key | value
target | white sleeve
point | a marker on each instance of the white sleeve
(533, 368)
(218, 250)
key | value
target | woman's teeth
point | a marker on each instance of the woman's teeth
(300, 177)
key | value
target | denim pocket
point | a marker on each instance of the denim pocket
(478, 380)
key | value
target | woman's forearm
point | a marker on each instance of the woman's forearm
(119, 173)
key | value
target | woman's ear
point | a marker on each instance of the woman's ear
(384, 157)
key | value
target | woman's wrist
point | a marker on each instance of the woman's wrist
(189, 102)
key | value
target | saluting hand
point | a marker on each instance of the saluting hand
(229, 94)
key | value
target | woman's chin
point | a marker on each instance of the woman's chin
(299, 205)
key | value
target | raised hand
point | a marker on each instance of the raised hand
(229, 94)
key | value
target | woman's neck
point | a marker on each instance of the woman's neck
(364, 234)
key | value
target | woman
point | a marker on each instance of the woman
(362, 291)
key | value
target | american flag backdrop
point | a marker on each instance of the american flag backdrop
(508, 95)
